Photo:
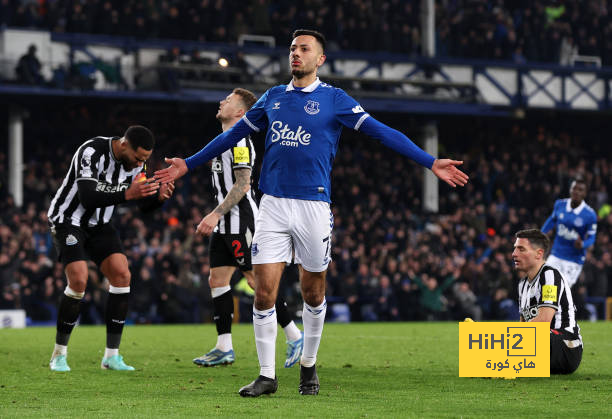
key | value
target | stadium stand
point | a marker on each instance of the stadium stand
(520, 31)
(392, 261)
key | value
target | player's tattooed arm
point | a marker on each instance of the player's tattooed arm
(240, 188)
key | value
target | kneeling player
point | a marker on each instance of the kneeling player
(545, 296)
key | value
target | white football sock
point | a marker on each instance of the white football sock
(59, 350)
(219, 291)
(264, 323)
(313, 319)
(108, 352)
(224, 342)
(292, 332)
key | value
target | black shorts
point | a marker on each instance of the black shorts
(76, 243)
(563, 359)
(230, 250)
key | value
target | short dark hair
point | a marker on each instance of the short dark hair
(317, 35)
(579, 179)
(247, 97)
(535, 238)
(139, 136)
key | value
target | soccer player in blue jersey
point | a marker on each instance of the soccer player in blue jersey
(576, 228)
(303, 121)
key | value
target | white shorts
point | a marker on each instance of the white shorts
(288, 227)
(570, 270)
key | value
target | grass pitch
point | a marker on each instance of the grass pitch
(366, 370)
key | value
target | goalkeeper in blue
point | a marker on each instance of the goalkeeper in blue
(303, 121)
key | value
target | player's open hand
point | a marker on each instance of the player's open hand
(446, 170)
(141, 188)
(177, 168)
(208, 224)
(165, 191)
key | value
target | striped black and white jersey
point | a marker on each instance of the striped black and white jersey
(241, 218)
(549, 289)
(94, 161)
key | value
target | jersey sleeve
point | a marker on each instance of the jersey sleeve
(551, 221)
(241, 155)
(256, 117)
(550, 282)
(86, 166)
(348, 111)
(591, 233)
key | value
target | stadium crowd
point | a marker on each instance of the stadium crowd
(524, 30)
(391, 260)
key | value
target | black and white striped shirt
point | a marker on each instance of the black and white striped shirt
(241, 218)
(549, 289)
(94, 161)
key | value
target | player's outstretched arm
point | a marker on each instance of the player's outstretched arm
(549, 223)
(218, 145)
(177, 169)
(446, 170)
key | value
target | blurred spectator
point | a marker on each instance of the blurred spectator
(433, 303)
(28, 68)
(502, 307)
(386, 301)
(467, 302)
(168, 72)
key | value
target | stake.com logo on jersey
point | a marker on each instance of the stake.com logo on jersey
(287, 136)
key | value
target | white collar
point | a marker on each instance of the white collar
(568, 206)
(307, 89)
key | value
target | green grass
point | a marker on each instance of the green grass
(366, 370)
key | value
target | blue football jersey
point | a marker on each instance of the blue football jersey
(571, 224)
(303, 128)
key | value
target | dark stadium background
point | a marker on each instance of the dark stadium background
(393, 261)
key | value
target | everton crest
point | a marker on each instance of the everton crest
(312, 107)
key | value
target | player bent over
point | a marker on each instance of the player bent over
(104, 172)
(231, 225)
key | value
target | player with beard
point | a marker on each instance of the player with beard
(231, 226)
(104, 172)
(303, 121)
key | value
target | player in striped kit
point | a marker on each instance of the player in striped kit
(231, 226)
(104, 172)
(545, 296)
